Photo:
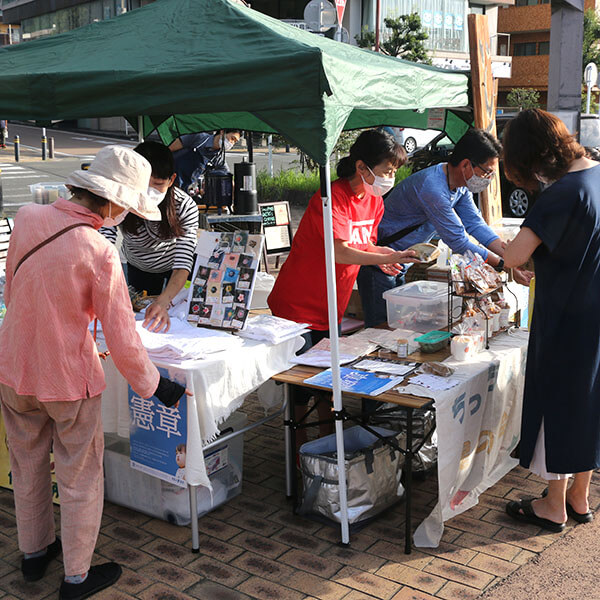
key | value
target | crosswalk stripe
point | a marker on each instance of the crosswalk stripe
(24, 176)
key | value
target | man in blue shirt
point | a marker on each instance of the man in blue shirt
(194, 152)
(439, 200)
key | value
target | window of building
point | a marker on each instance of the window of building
(525, 49)
(544, 48)
(531, 2)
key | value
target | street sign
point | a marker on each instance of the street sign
(591, 75)
(340, 6)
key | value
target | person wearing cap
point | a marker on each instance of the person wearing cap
(60, 275)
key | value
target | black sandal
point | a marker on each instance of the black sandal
(522, 510)
(587, 517)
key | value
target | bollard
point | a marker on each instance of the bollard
(17, 148)
(44, 147)
(51, 147)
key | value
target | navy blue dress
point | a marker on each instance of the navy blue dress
(562, 381)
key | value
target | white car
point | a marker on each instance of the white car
(412, 139)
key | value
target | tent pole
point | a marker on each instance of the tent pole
(140, 129)
(325, 177)
(250, 146)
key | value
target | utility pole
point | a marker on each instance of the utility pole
(566, 47)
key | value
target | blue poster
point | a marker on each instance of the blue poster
(458, 22)
(438, 19)
(427, 18)
(158, 436)
(448, 21)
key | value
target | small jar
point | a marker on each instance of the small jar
(402, 348)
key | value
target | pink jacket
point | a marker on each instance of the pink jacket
(46, 348)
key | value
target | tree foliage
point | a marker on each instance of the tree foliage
(591, 36)
(406, 39)
(523, 98)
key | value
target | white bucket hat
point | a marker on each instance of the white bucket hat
(122, 176)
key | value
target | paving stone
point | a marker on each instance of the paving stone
(174, 553)
(451, 552)
(368, 583)
(112, 593)
(534, 543)
(394, 552)
(300, 540)
(464, 523)
(256, 524)
(505, 520)
(316, 587)
(450, 534)
(414, 578)
(8, 545)
(306, 561)
(259, 492)
(523, 557)
(160, 591)
(356, 595)
(173, 533)
(224, 512)
(216, 528)
(218, 571)
(257, 587)
(132, 536)
(487, 546)
(493, 565)
(209, 590)
(170, 575)
(223, 551)
(247, 505)
(120, 513)
(14, 584)
(132, 558)
(407, 593)
(263, 567)
(459, 573)
(358, 541)
(131, 582)
(457, 591)
(288, 519)
(261, 545)
(361, 560)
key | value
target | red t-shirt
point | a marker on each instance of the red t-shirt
(300, 292)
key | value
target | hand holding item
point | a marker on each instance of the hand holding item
(522, 276)
(157, 317)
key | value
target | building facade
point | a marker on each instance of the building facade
(528, 23)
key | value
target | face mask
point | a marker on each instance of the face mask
(227, 144)
(114, 221)
(155, 196)
(476, 184)
(380, 186)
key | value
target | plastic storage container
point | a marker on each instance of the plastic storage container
(47, 193)
(141, 492)
(420, 305)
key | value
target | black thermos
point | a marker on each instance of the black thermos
(246, 197)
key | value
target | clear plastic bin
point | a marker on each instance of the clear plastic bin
(47, 192)
(420, 306)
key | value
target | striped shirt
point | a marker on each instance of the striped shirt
(150, 253)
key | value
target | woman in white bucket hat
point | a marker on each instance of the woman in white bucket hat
(60, 275)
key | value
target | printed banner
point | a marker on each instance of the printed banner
(478, 426)
(158, 437)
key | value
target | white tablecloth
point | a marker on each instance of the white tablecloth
(219, 385)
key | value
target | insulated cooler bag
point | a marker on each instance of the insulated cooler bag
(372, 474)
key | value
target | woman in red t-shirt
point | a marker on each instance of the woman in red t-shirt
(300, 292)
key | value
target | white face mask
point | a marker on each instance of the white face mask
(155, 196)
(477, 184)
(380, 186)
(111, 221)
(228, 144)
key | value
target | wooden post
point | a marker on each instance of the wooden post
(484, 105)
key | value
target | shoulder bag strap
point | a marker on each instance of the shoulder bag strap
(390, 239)
(47, 241)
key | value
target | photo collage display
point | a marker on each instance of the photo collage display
(223, 279)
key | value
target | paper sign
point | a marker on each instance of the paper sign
(158, 436)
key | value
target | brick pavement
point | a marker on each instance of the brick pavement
(253, 547)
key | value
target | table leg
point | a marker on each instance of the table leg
(408, 460)
(193, 491)
(289, 446)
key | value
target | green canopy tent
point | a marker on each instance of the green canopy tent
(192, 65)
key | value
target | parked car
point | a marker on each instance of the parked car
(516, 200)
(412, 139)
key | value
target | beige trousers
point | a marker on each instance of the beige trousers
(73, 430)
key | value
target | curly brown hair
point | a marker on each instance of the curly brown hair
(537, 142)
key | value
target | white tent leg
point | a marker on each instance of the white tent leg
(140, 129)
(324, 173)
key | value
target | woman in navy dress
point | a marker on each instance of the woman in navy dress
(560, 431)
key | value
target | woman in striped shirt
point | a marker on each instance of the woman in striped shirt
(160, 252)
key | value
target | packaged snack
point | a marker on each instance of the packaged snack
(436, 368)
(456, 273)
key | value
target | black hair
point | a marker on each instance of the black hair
(372, 147)
(82, 193)
(233, 131)
(477, 145)
(592, 153)
(163, 166)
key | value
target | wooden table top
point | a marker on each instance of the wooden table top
(296, 376)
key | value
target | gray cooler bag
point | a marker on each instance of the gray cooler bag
(373, 471)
